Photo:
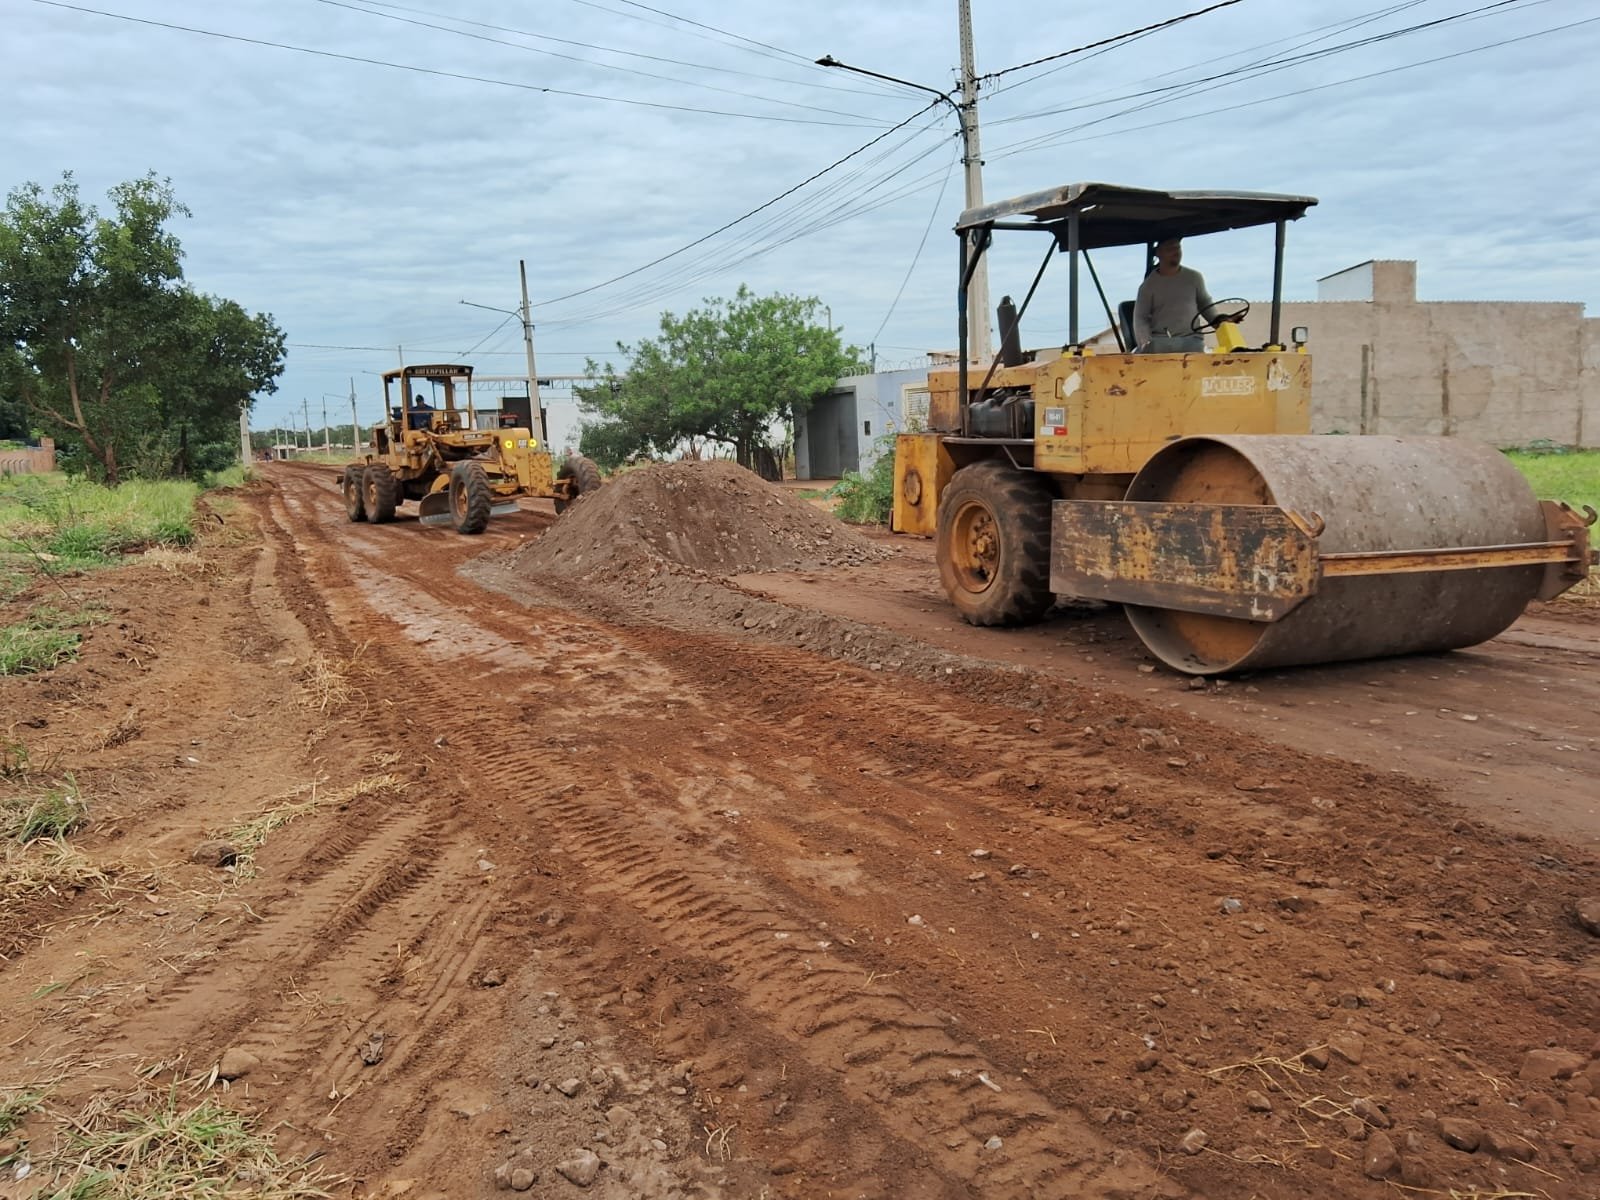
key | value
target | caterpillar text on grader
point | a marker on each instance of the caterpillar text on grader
(457, 473)
(1188, 487)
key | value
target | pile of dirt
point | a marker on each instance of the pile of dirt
(715, 518)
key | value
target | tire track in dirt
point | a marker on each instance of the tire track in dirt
(643, 743)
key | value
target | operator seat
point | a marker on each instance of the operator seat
(1125, 322)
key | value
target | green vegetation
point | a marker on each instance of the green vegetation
(866, 499)
(723, 373)
(1572, 475)
(106, 347)
(57, 522)
(52, 813)
(155, 1149)
(46, 639)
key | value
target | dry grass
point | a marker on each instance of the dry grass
(47, 866)
(253, 834)
(148, 1146)
(327, 684)
(51, 812)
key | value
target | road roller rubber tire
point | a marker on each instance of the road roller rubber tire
(470, 498)
(993, 544)
(379, 493)
(585, 478)
(350, 484)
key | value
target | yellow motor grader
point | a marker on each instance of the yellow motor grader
(457, 473)
(1188, 487)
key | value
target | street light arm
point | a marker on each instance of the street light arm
(491, 308)
(828, 60)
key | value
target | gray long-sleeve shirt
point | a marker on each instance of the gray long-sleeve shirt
(1168, 303)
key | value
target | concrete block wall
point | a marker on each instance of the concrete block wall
(1506, 373)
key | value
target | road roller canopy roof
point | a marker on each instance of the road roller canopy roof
(1112, 215)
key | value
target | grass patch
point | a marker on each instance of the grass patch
(48, 638)
(1573, 476)
(153, 1148)
(48, 866)
(253, 834)
(233, 477)
(71, 523)
(15, 1105)
(52, 813)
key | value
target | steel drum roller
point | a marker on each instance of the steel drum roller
(1373, 493)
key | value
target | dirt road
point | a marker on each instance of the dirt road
(693, 891)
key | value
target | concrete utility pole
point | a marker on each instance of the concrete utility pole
(979, 345)
(533, 375)
(244, 434)
(355, 421)
(326, 445)
(305, 419)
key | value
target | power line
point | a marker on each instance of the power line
(1060, 136)
(1121, 37)
(1266, 66)
(588, 62)
(917, 257)
(746, 216)
(378, 62)
(738, 37)
(676, 62)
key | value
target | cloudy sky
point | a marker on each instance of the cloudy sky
(359, 168)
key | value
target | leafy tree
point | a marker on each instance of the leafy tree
(106, 345)
(722, 373)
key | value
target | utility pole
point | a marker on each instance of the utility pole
(979, 345)
(533, 376)
(305, 417)
(326, 446)
(244, 434)
(355, 420)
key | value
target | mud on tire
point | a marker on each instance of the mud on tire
(354, 503)
(470, 498)
(993, 544)
(585, 478)
(379, 492)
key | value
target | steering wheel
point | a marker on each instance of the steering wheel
(1238, 308)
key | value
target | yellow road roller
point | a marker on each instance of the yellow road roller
(1185, 484)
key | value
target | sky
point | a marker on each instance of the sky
(358, 169)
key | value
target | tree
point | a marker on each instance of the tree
(724, 373)
(106, 345)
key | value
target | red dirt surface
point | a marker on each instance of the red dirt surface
(797, 887)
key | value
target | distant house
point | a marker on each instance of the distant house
(843, 431)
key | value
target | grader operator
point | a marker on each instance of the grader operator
(1187, 486)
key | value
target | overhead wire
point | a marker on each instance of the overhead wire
(1172, 93)
(1111, 41)
(443, 74)
(1065, 136)
(747, 215)
(677, 62)
(727, 36)
(588, 62)
(917, 256)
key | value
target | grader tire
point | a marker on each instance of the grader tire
(993, 544)
(350, 484)
(470, 498)
(585, 478)
(379, 493)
